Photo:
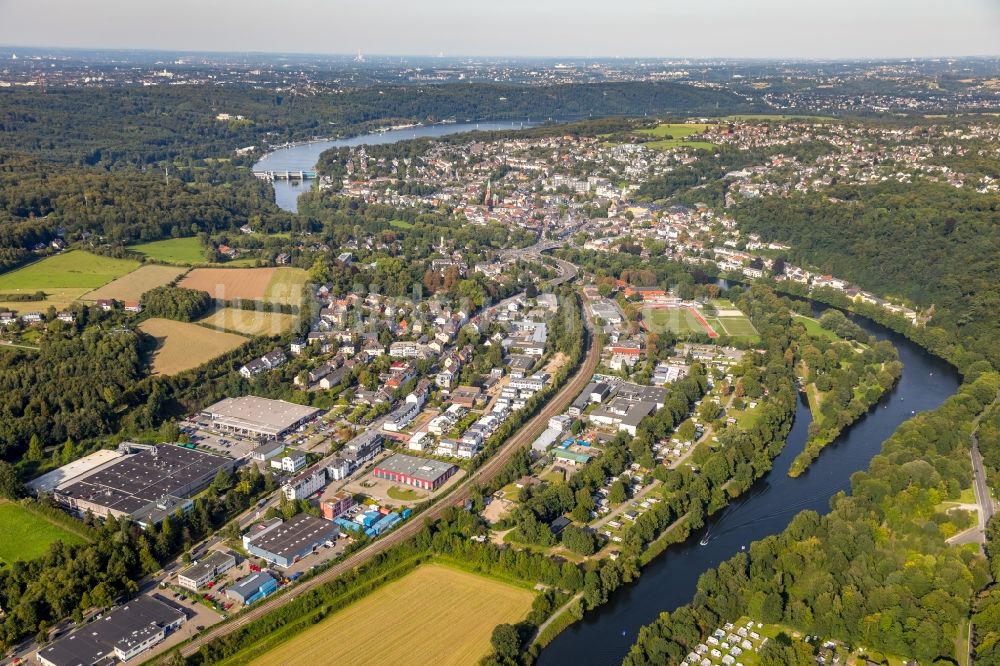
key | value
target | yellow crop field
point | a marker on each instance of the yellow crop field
(278, 285)
(181, 346)
(132, 286)
(434, 615)
(250, 322)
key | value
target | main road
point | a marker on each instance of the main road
(489, 470)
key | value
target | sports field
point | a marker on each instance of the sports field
(249, 322)
(181, 346)
(678, 320)
(279, 285)
(63, 277)
(677, 133)
(27, 535)
(183, 251)
(132, 286)
(735, 327)
(434, 615)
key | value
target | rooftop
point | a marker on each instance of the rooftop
(294, 536)
(418, 468)
(263, 415)
(122, 627)
(137, 480)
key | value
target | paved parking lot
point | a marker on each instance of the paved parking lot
(225, 443)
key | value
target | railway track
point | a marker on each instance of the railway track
(523, 437)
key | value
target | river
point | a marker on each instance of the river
(604, 636)
(304, 156)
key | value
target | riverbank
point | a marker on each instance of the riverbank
(605, 635)
(304, 155)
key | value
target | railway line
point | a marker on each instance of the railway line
(489, 470)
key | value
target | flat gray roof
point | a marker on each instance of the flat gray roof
(295, 536)
(418, 468)
(207, 565)
(271, 417)
(123, 626)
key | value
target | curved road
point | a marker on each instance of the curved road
(523, 437)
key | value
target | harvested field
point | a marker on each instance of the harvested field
(132, 286)
(181, 346)
(436, 614)
(249, 322)
(230, 283)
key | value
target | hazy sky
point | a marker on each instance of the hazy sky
(693, 28)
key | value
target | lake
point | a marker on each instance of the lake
(304, 156)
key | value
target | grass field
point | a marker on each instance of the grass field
(27, 535)
(434, 615)
(249, 322)
(736, 327)
(677, 320)
(183, 251)
(135, 284)
(63, 277)
(404, 494)
(401, 224)
(286, 286)
(678, 133)
(813, 327)
(181, 346)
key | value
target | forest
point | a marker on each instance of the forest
(178, 123)
(930, 243)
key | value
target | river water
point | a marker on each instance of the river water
(303, 157)
(604, 636)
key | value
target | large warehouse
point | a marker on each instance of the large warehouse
(258, 417)
(413, 471)
(124, 633)
(146, 484)
(282, 543)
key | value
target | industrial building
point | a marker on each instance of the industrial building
(206, 569)
(412, 471)
(124, 633)
(145, 483)
(252, 588)
(283, 543)
(258, 417)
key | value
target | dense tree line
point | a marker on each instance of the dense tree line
(40, 201)
(74, 387)
(875, 571)
(845, 381)
(83, 125)
(176, 303)
(933, 244)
